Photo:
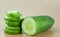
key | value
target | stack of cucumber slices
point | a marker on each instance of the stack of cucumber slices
(31, 25)
(13, 22)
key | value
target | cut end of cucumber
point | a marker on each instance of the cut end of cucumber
(29, 26)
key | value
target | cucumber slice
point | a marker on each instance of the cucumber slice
(14, 13)
(13, 24)
(12, 30)
(29, 26)
(36, 24)
(11, 19)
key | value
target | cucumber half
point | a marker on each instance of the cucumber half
(36, 24)
(29, 26)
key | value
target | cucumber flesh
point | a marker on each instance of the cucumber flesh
(29, 26)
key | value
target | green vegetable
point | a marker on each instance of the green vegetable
(11, 19)
(36, 24)
(13, 13)
(12, 30)
(13, 24)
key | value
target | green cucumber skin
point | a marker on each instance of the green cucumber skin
(13, 30)
(43, 23)
(13, 13)
(21, 22)
(13, 24)
(11, 19)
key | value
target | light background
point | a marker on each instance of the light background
(32, 8)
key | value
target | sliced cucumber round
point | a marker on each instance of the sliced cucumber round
(11, 19)
(12, 30)
(29, 26)
(14, 13)
(33, 25)
(13, 24)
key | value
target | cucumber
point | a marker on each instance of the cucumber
(13, 13)
(12, 30)
(22, 19)
(13, 24)
(36, 24)
(11, 19)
